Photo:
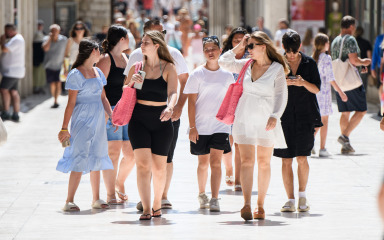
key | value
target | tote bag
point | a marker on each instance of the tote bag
(226, 113)
(122, 112)
(346, 75)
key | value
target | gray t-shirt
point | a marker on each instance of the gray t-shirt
(349, 46)
(54, 57)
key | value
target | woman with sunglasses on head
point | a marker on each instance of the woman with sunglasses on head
(78, 31)
(257, 119)
(150, 129)
(299, 120)
(113, 64)
(88, 149)
(206, 87)
(234, 38)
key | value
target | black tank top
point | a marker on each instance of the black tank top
(154, 90)
(115, 82)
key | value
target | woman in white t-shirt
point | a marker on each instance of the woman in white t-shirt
(206, 88)
(257, 116)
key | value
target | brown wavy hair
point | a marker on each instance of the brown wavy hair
(272, 53)
(320, 40)
(158, 38)
(72, 32)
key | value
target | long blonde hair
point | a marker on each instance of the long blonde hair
(158, 38)
(320, 40)
(270, 49)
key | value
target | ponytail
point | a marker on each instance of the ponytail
(320, 40)
(115, 33)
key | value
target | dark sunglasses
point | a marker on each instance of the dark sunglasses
(164, 32)
(80, 28)
(252, 45)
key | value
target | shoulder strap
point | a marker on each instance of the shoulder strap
(138, 66)
(113, 64)
(243, 70)
(163, 69)
(341, 45)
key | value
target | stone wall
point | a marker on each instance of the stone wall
(96, 12)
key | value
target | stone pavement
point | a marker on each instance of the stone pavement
(342, 192)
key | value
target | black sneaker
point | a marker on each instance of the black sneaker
(15, 117)
(55, 105)
(5, 116)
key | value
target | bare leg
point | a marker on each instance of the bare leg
(264, 155)
(302, 172)
(247, 154)
(15, 101)
(73, 184)
(228, 161)
(202, 172)
(6, 97)
(159, 171)
(237, 165)
(288, 177)
(95, 183)
(143, 158)
(215, 162)
(126, 165)
(344, 121)
(353, 123)
(168, 180)
(323, 131)
(109, 176)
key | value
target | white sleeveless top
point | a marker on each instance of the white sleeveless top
(73, 52)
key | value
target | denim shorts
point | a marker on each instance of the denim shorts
(120, 135)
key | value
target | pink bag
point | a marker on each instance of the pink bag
(227, 109)
(122, 112)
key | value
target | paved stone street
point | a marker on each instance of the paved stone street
(342, 192)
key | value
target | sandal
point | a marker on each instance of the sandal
(246, 213)
(71, 207)
(166, 204)
(121, 195)
(153, 212)
(259, 213)
(229, 180)
(145, 217)
(115, 201)
(238, 188)
(100, 204)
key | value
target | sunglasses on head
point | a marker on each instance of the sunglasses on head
(214, 38)
(240, 30)
(252, 45)
(80, 28)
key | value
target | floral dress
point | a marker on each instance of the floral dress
(324, 97)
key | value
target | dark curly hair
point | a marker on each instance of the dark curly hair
(227, 44)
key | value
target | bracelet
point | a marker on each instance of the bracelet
(64, 130)
(191, 128)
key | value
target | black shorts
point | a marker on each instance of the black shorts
(176, 126)
(145, 130)
(52, 75)
(9, 83)
(357, 101)
(219, 141)
(299, 138)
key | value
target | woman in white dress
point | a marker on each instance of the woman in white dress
(257, 116)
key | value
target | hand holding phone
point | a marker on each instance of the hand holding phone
(137, 85)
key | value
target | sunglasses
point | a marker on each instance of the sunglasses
(215, 40)
(80, 28)
(252, 45)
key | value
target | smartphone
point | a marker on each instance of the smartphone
(292, 77)
(140, 85)
(66, 143)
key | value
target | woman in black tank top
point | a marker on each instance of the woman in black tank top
(113, 64)
(150, 128)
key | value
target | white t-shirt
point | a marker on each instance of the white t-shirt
(279, 35)
(211, 87)
(180, 64)
(13, 62)
(132, 41)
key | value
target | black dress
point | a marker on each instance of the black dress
(302, 114)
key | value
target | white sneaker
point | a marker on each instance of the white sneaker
(214, 205)
(203, 200)
(324, 153)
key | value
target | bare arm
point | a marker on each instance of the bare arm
(381, 201)
(193, 134)
(300, 82)
(106, 105)
(182, 98)
(68, 47)
(356, 61)
(47, 44)
(171, 78)
(72, 96)
(104, 64)
(2, 43)
(228, 60)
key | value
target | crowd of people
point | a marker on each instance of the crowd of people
(286, 100)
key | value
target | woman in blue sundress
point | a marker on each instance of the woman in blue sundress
(88, 150)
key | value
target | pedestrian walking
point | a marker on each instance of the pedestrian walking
(88, 149)
(260, 27)
(299, 120)
(283, 28)
(356, 97)
(39, 80)
(257, 125)
(54, 48)
(113, 64)
(324, 97)
(365, 52)
(150, 129)
(12, 67)
(196, 46)
(209, 138)
(234, 38)
(182, 75)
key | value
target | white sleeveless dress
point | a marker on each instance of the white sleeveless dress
(266, 97)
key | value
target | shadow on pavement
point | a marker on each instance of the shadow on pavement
(153, 222)
(233, 193)
(260, 223)
(352, 155)
(84, 212)
(207, 212)
(295, 214)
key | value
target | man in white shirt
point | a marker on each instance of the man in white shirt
(12, 61)
(182, 73)
(283, 28)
